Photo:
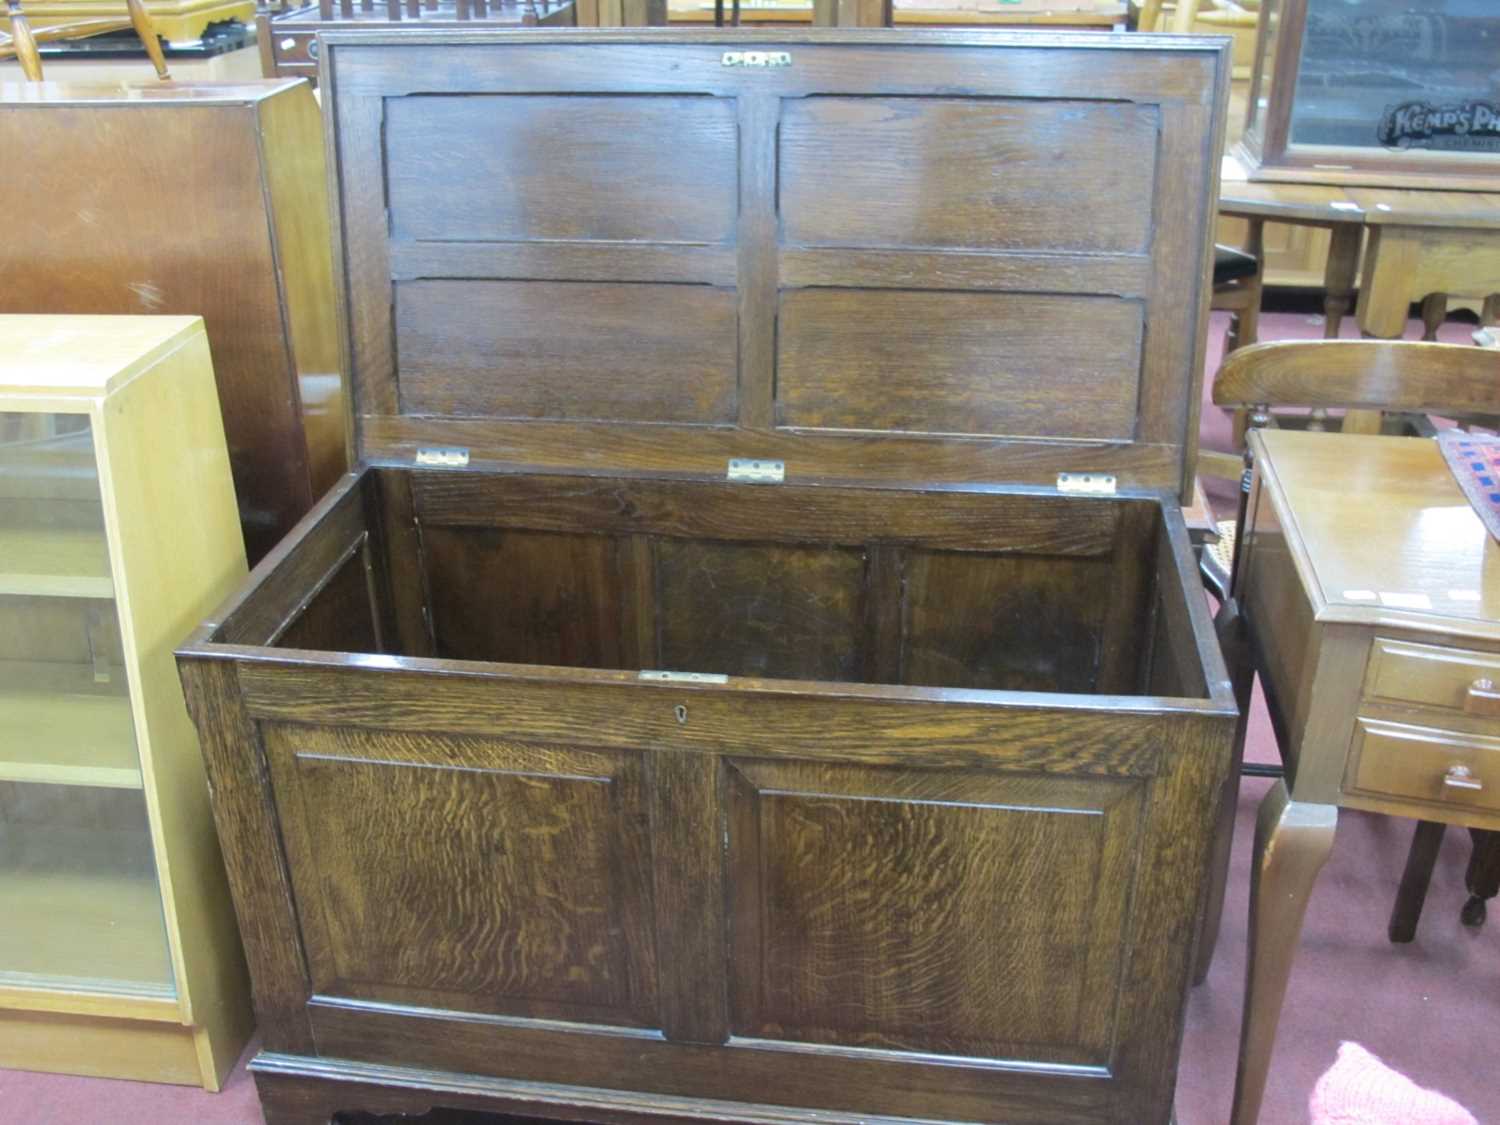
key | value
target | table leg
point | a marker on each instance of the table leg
(1434, 312)
(1292, 842)
(1425, 842)
(1482, 879)
(1392, 255)
(1339, 275)
(1244, 327)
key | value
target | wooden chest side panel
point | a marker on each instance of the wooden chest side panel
(874, 612)
(467, 873)
(904, 361)
(966, 173)
(342, 616)
(643, 169)
(760, 610)
(567, 349)
(999, 622)
(876, 908)
(549, 598)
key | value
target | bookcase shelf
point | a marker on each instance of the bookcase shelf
(57, 562)
(58, 726)
(82, 910)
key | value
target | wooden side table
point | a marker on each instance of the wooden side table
(1307, 205)
(1425, 244)
(1422, 245)
(1371, 594)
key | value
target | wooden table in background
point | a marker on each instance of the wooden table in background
(1421, 244)
(1371, 595)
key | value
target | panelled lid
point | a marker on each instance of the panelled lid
(935, 256)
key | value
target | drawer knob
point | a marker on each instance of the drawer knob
(1461, 777)
(1482, 698)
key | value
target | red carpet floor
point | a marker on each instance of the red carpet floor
(1431, 1009)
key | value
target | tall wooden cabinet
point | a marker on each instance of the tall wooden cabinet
(118, 951)
(201, 199)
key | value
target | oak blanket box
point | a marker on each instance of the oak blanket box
(756, 670)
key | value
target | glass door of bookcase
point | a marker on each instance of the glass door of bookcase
(80, 907)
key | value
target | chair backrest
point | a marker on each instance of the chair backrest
(21, 41)
(1422, 378)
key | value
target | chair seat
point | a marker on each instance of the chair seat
(1233, 265)
(1216, 560)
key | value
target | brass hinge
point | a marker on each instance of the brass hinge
(744, 470)
(756, 58)
(1092, 484)
(443, 458)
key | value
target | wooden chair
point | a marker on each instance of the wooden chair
(1362, 375)
(22, 40)
(1225, 14)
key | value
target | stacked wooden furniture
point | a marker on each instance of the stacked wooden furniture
(201, 199)
(118, 952)
(289, 39)
(177, 21)
(20, 41)
(1042, 15)
(757, 668)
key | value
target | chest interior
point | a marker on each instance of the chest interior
(998, 590)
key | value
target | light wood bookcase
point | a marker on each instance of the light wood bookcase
(119, 954)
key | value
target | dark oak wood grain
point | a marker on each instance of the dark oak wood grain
(631, 791)
(902, 295)
(997, 519)
(531, 900)
(568, 350)
(957, 363)
(687, 860)
(752, 610)
(844, 949)
(848, 179)
(253, 858)
(625, 156)
(1014, 624)
(541, 598)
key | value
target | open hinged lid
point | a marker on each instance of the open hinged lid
(939, 256)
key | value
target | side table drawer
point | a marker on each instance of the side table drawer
(1433, 676)
(1424, 764)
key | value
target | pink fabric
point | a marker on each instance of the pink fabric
(1359, 1089)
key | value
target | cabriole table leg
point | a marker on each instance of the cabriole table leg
(1292, 842)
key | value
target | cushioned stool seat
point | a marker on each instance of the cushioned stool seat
(1232, 265)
